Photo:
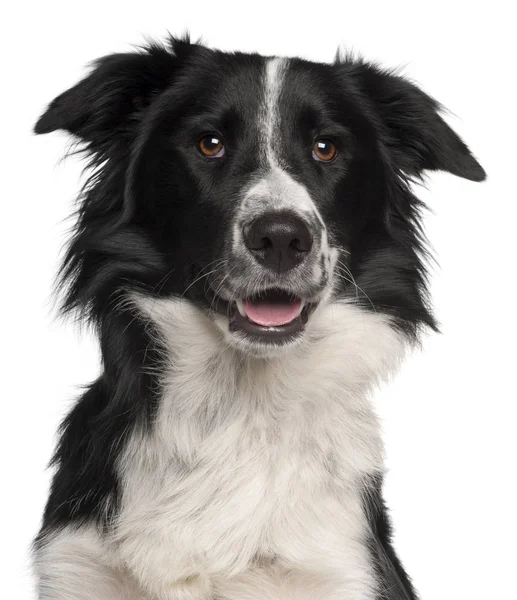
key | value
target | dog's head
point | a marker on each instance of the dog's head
(257, 188)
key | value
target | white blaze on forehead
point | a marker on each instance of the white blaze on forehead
(275, 189)
(275, 73)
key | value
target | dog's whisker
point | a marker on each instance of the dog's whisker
(350, 278)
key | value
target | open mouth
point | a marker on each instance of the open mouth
(273, 316)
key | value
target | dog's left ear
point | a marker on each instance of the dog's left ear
(412, 127)
(106, 105)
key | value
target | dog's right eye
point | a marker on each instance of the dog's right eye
(211, 146)
(324, 151)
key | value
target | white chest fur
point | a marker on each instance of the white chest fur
(250, 481)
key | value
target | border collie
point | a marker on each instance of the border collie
(249, 251)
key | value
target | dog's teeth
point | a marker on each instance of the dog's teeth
(302, 304)
(240, 307)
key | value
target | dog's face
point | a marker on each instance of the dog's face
(268, 154)
(257, 188)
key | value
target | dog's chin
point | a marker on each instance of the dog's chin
(259, 345)
(266, 325)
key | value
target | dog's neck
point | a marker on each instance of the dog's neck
(346, 351)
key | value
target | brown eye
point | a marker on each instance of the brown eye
(324, 150)
(211, 146)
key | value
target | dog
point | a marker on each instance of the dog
(249, 251)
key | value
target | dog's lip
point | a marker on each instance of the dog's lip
(273, 333)
(271, 308)
(281, 326)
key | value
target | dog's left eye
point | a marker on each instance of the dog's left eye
(211, 146)
(324, 151)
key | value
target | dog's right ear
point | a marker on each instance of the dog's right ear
(413, 129)
(109, 102)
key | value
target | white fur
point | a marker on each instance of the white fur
(252, 474)
(248, 486)
(75, 564)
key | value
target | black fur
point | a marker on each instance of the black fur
(154, 214)
(395, 583)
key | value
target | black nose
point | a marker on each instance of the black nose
(280, 241)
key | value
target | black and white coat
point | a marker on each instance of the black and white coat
(206, 462)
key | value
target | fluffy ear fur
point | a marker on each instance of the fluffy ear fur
(412, 128)
(106, 104)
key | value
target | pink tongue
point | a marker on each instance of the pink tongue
(269, 313)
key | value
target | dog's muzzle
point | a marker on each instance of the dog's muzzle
(277, 272)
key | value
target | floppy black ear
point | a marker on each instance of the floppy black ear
(414, 131)
(110, 99)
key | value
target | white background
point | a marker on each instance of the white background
(449, 417)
